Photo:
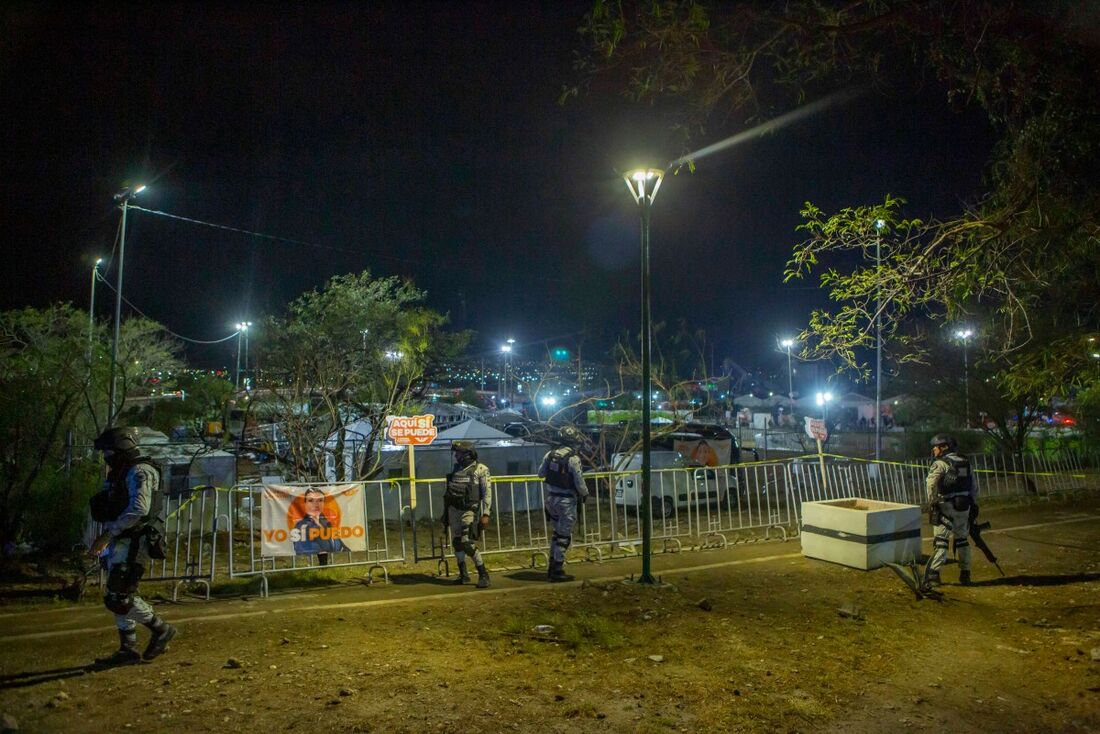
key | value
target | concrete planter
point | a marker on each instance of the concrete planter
(861, 533)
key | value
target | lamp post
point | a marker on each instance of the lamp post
(242, 332)
(506, 352)
(788, 343)
(91, 310)
(823, 399)
(964, 336)
(644, 184)
(123, 197)
(879, 225)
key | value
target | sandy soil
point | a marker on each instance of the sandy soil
(753, 638)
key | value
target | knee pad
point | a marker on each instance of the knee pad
(938, 542)
(118, 603)
(470, 547)
(563, 540)
(456, 543)
(962, 543)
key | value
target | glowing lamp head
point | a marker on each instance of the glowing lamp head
(644, 183)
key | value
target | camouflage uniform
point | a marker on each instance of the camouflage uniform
(468, 498)
(951, 493)
(565, 488)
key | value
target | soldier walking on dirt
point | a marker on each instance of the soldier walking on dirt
(131, 536)
(951, 494)
(468, 500)
(565, 488)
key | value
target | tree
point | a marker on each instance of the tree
(1022, 258)
(53, 399)
(43, 383)
(358, 348)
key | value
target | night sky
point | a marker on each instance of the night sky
(417, 140)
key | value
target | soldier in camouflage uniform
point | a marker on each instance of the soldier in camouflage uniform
(951, 494)
(126, 509)
(564, 489)
(468, 500)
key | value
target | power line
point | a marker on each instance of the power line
(303, 243)
(178, 336)
(248, 232)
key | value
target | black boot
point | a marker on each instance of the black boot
(964, 578)
(482, 577)
(126, 654)
(556, 572)
(162, 635)
(463, 575)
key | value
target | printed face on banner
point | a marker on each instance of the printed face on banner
(312, 520)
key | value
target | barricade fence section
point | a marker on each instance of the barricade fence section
(190, 538)
(382, 504)
(213, 532)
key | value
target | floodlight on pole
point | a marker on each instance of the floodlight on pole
(880, 224)
(242, 333)
(123, 197)
(644, 184)
(787, 344)
(91, 309)
(964, 335)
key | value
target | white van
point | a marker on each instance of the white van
(671, 491)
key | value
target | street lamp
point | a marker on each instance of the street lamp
(644, 184)
(91, 309)
(123, 197)
(964, 336)
(880, 224)
(823, 400)
(787, 344)
(506, 351)
(242, 331)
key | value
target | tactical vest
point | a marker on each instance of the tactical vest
(958, 480)
(557, 469)
(108, 504)
(462, 489)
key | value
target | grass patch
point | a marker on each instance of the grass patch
(581, 631)
(304, 579)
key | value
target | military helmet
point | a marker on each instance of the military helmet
(570, 436)
(123, 440)
(463, 449)
(120, 438)
(942, 439)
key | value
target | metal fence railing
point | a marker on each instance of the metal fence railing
(216, 533)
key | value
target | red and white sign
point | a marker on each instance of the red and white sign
(815, 429)
(413, 430)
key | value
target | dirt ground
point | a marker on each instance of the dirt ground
(753, 638)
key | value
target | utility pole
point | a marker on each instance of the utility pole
(879, 224)
(124, 197)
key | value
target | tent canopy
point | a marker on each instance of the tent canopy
(472, 430)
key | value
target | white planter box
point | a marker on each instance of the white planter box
(861, 533)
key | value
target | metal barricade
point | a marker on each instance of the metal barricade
(382, 503)
(190, 539)
(698, 507)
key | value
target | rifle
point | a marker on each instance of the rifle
(976, 536)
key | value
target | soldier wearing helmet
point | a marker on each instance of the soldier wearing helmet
(951, 494)
(468, 499)
(126, 511)
(564, 488)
